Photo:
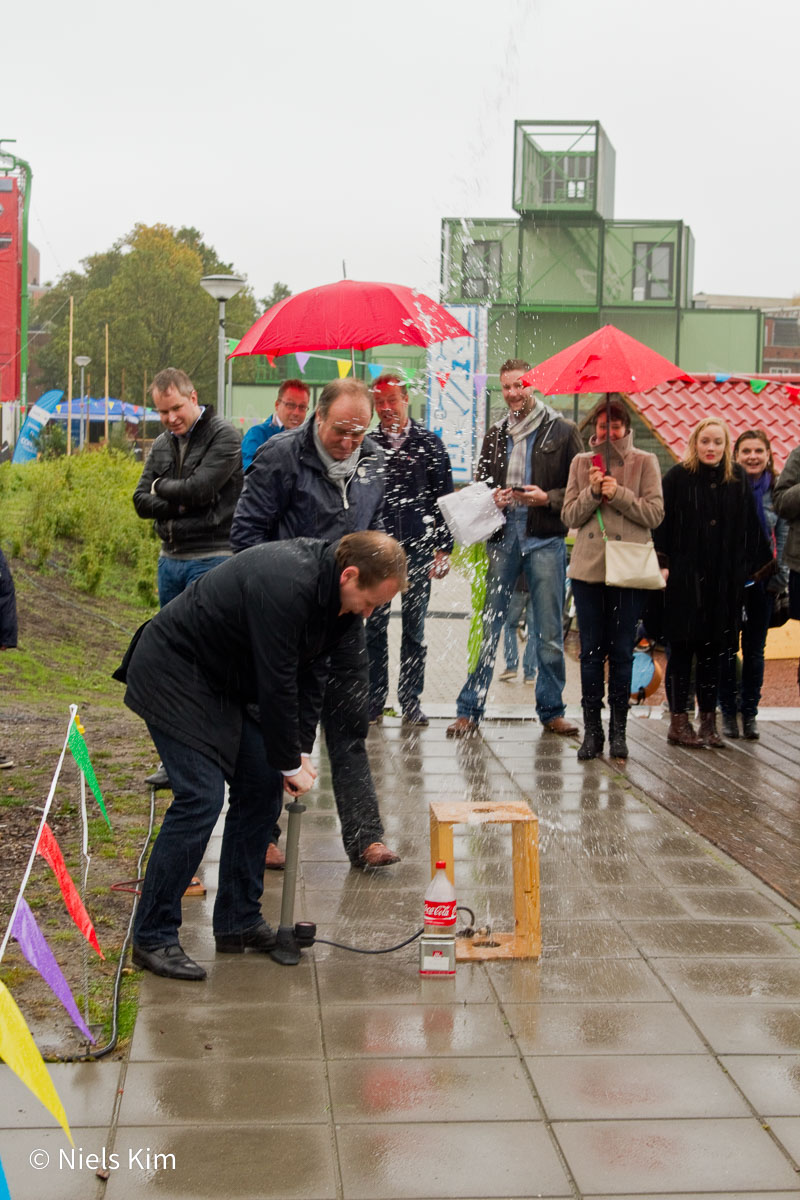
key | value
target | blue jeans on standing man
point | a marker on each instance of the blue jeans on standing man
(520, 606)
(413, 610)
(545, 569)
(198, 787)
(175, 574)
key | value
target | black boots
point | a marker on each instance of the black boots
(617, 746)
(592, 744)
(730, 725)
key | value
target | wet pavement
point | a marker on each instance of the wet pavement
(654, 1050)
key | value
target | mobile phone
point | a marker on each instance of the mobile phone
(517, 488)
(597, 461)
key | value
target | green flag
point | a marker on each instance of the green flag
(758, 385)
(232, 344)
(81, 755)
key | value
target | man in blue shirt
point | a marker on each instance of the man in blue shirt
(291, 409)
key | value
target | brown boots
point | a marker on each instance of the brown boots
(681, 733)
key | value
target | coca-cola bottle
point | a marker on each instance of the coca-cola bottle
(440, 904)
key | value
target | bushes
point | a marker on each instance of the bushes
(80, 510)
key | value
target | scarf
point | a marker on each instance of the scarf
(519, 431)
(760, 488)
(336, 470)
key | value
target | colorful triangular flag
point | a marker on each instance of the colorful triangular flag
(232, 344)
(33, 945)
(479, 383)
(793, 393)
(302, 361)
(758, 385)
(19, 1052)
(50, 851)
(408, 377)
(443, 377)
(81, 755)
(270, 359)
(721, 378)
(374, 369)
(344, 366)
(4, 1192)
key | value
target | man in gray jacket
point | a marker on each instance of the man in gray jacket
(325, 480)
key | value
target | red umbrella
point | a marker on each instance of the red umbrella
(608, 360)
(352, 315)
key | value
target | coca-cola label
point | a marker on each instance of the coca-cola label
(439, 912)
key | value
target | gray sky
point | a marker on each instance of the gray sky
(347, 130)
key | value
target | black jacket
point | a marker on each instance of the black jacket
(712, 542)
(192, 502)
(557, 443)
(415, 475)
(288, 494)
(257, 630)
(8, 606)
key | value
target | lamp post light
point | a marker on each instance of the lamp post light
(222, 288)
(82, 361)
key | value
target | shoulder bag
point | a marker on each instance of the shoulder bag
(631, 564)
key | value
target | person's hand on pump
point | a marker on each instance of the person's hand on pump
(303, 781)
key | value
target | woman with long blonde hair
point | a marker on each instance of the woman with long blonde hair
(709, 544)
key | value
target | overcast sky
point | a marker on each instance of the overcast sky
(296, 135)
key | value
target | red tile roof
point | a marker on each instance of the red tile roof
(673, 409)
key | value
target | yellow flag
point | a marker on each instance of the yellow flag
(344, 366)
(19, 1052)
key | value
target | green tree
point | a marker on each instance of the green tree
(147, 288)
(280, 291)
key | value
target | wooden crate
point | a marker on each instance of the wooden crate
(526, 940)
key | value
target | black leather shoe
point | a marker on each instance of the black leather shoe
(730, 725)
(257, 937)
(169, 961)
(159, 778)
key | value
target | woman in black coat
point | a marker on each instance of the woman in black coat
(709, 544)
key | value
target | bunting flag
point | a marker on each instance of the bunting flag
(81, 755)
(443, 377)
(4, 1192)
(232, 344)
(302, 361)
(721, 378)
(479, 383)
(34, 946)
(375, 369)
(50, 851)
(18, 1051)
(408, 377)
(270, 359)
(793, 393)
(344, 366)
(758, 385)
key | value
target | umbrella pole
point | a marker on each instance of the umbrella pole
(608, 433)
(353, 361)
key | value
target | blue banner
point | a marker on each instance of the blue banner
(38, 416)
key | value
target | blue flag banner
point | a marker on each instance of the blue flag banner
(37, 418)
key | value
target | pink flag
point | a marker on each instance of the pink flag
(479, 382)
(50, 851)
(32, 943)
(443, 377)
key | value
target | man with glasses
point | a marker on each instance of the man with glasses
(291, 410)
(325, 480)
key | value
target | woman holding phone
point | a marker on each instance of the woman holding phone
(628, 496)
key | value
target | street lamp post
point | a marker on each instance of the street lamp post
(222, 288)
(82, 361)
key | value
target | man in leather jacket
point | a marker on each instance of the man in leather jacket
(526, 459)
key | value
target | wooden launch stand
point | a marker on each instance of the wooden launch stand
(526, 940)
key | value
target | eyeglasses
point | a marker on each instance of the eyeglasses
(294, 407)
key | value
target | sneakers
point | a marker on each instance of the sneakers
(507, 675)
(6, 761)
(159, 778)
(415, 716)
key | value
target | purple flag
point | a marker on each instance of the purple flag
(32, 943)
(302, 360)
(480, 383)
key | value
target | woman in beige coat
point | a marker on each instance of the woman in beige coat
(630, 501)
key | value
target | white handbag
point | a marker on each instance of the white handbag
(631, 564)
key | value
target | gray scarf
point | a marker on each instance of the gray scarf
(338, 471)
(519, 431)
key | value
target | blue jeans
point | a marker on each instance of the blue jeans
(175, 574)
(198, 787)
(545, 570)
(607, 620)
(414, 608)
(757, 612)
(520, 603)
